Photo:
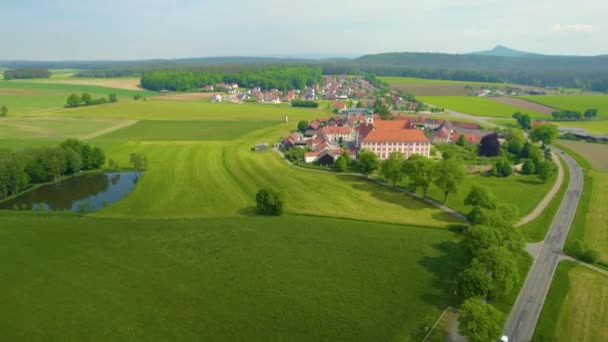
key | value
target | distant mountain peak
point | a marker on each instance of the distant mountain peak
(503, 51)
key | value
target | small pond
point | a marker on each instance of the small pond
(85, 193)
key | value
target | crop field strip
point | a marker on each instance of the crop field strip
(578, 103)
(479, 106)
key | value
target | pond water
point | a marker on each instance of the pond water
(79, 194)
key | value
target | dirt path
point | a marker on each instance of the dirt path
(120, 125)
(548, 197)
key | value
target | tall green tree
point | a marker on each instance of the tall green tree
(502, 267)
(590, 113)
(449, 175)
(302, 125)
(367, 162)
(474, 281)
(479, 321)
(74, 101)
(112, 98)
(3, 111)
(392, 168)
(87, 99)
(420, 171)
(544, 133)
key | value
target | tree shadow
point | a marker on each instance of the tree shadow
(445, 267)
(529, 181)
(248, 211)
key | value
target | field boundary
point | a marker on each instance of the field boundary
(126, 123)
(436, 323)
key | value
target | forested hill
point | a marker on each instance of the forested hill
(538, 70)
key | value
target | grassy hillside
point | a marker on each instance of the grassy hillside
(478, 106)
(289, 278)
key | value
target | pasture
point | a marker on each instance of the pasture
(576, 308)
(525, 104)
(478, 106)
(599, 126)
(428, 87)
(54, 128)
(288, 278)
(24, 97)
(577, 103)
(127, 83)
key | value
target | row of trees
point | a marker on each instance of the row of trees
(20, 169)
(75, 100)
(305, 104)
(574, 115)
(493, 246)
(278, 77)
(22, 73)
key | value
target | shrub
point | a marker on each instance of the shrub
(502, 168)
(269, 202)
(528, 168)
(581, 251)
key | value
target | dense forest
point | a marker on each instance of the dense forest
(19, 170)
(278, 77)
(26, 73)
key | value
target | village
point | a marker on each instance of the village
(324, 140)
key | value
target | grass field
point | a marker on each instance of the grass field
(51, 128)
(478, 106)
(591, 221)
(128, 83)
(289, 278)
(155, 130)
(577, 103)
(576, 308)
(32, 97)
(427, 87)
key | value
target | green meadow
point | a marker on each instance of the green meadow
(26, 98)
(572, 102)
(478, 106)
(575, 308)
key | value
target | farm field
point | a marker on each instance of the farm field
(599, 126)
(428, 87)
(577, 103)
(478, 106)
(127, 83)
(53, 128)
(525, 104)
(591, 221)
(576, 308)
(291, 278)
(26, 98)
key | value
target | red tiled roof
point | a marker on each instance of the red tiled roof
(314, 125)
(336, 130)
(466, 125)
(322, 119)
(471, 138)
(396, 135)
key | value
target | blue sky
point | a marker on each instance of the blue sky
(140, 29)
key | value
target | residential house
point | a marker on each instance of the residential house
(337, 133)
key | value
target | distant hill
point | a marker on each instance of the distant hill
(503, 51)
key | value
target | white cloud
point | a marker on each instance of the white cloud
(576, 28)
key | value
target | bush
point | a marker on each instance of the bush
(502, 168)
(489, 146)
(269, 202)
(528, 168)
(581, 251)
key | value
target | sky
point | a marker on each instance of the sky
(144, 29)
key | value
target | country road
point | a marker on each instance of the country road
(524, 315)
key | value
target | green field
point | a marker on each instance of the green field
(288, 278)
(428, 87)
(159, 130)
(576, 308)
(478, 106)
(52, 128)
(592, 126)
(31, 97)
(572, 102)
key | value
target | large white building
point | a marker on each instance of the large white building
(386, 136)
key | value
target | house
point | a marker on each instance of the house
(234, 85)
(261, 147)
(337, 133)
(216, 98)
(313, 126)
(388, 136)
(208, 87)
(339, 105)
(470, 138)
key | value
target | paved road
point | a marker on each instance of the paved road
(524, 315)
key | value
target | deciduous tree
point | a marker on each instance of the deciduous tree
(420, 171)
(392, 168)
(544, 133)
(367, 162)
(480, 321)
(489, 146)
(449, 174)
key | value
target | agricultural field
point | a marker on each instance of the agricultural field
(576, 308)
(127, 83)
(287, 278)
(427, 87)
(591, 221)
(479, 106)
(55, 128)
(32, 97)
(577, 103)
(525, 104)
(599, 126)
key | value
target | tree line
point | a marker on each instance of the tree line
(571, 115)
(75, 100)
(23, 73)
(278, 77)
(19, 170)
